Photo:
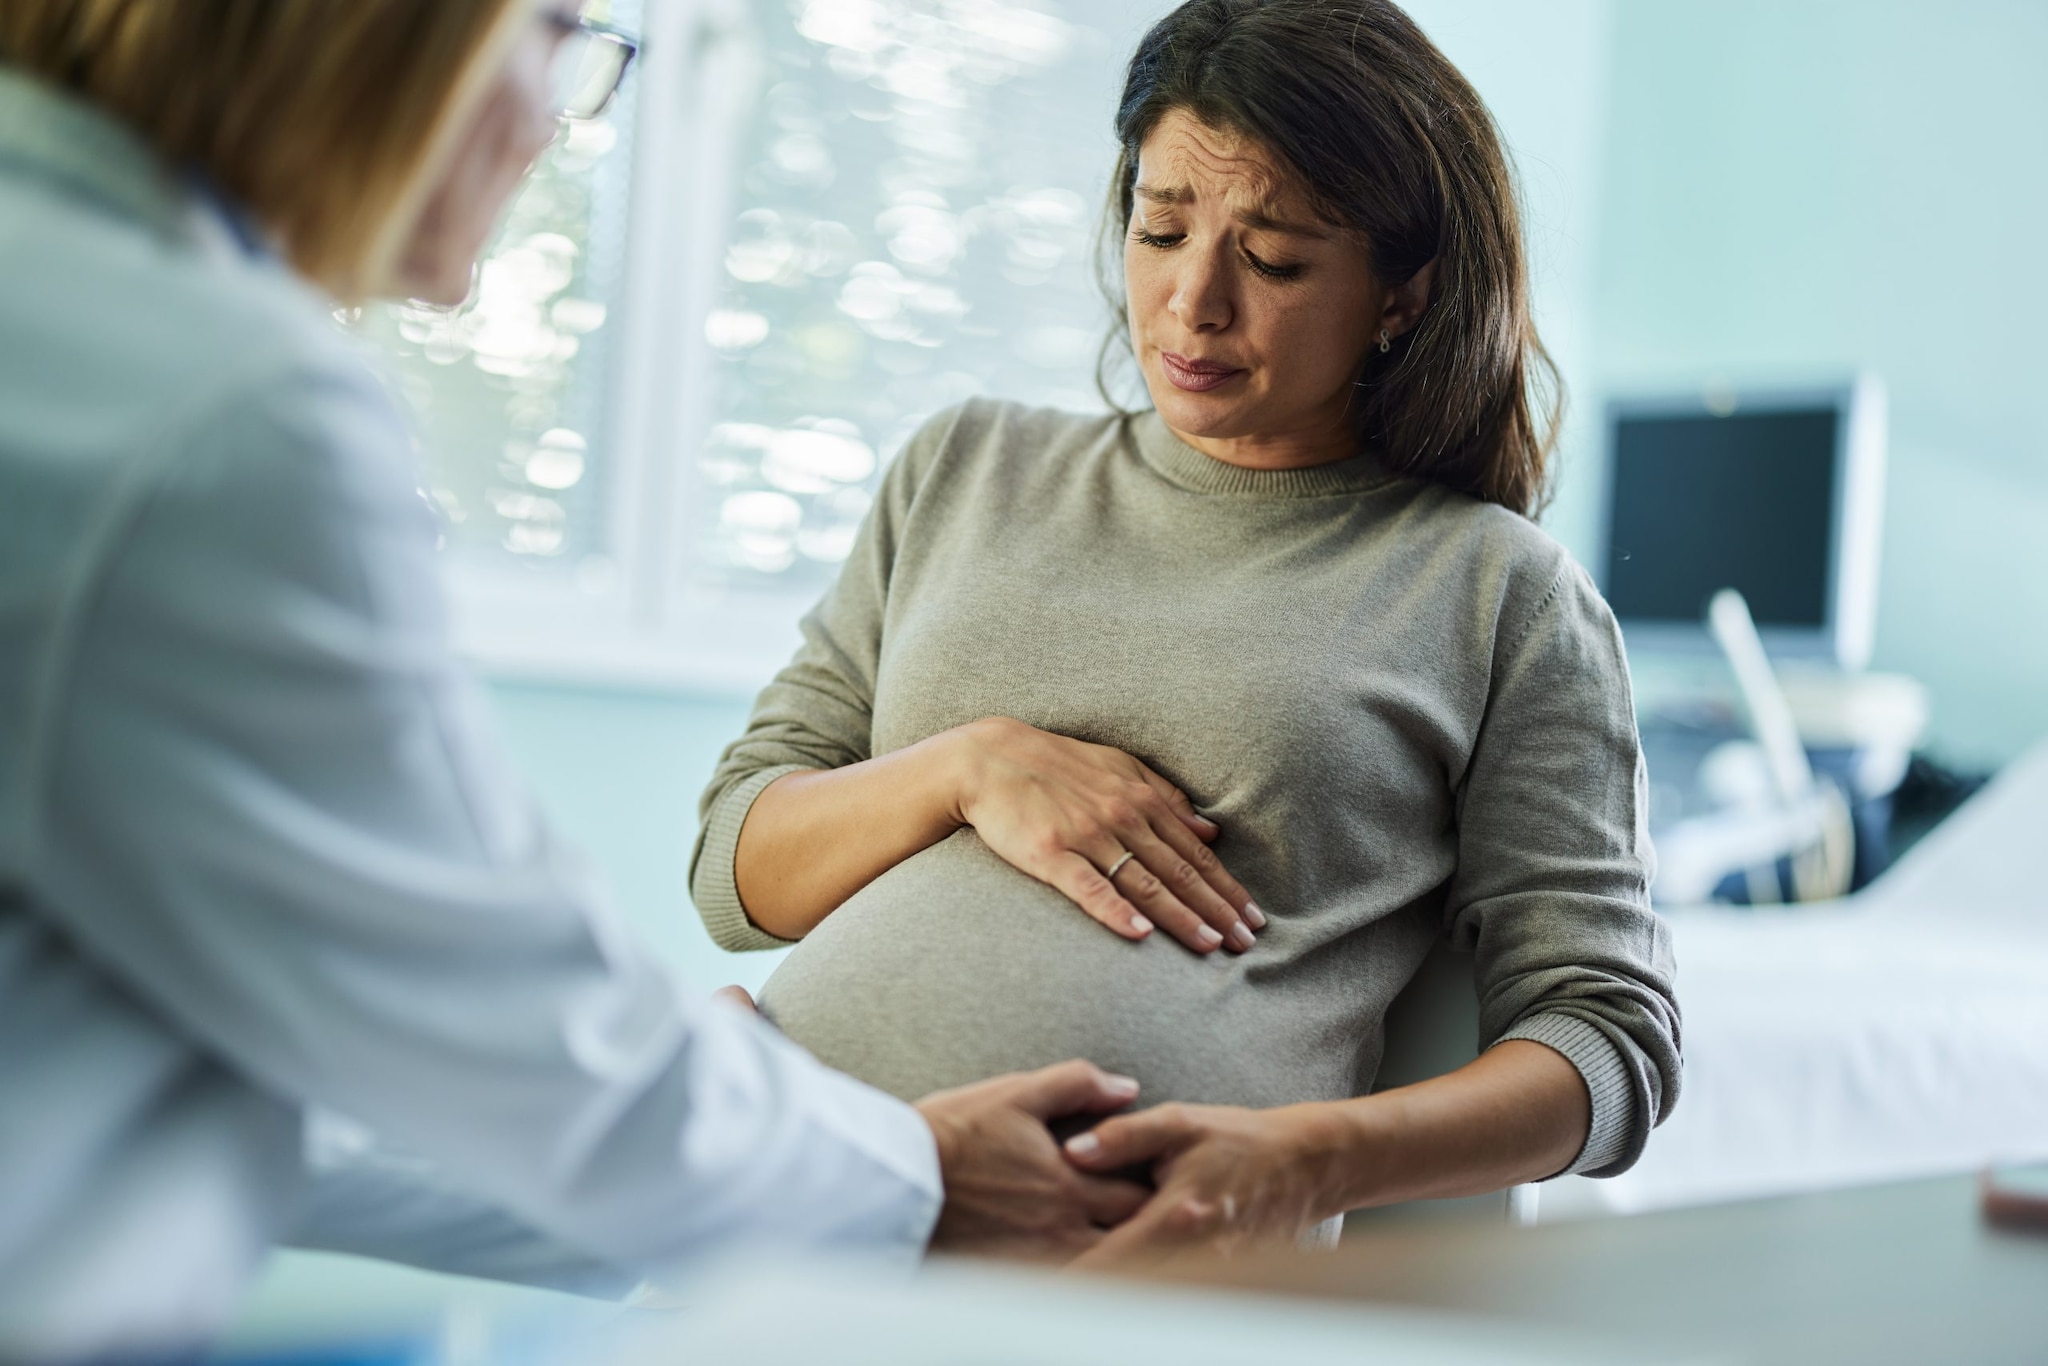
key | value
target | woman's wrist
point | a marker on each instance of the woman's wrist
(1516, 1113)
(946, 767)
(956, 765)
(1347, 1149)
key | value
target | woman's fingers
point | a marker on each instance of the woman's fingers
(1085, 886)
(1137, 899)
(1143, 889)
(1183, 809)
(1109, 1202)
(1218, 891)
(1185, 1209)
(1171, 1223)
(1118, 840)
(1197, 851)
(1165, 886)
(1173, 1216)
(1127, 1140)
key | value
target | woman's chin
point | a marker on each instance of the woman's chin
(1216, 415)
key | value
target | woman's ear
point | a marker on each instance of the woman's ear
(1406, 302)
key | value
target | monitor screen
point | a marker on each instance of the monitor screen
(1698, 503)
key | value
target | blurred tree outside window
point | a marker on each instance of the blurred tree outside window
(511, 392)
(917, 190)
(921, 188)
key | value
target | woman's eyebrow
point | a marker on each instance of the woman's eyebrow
(1265, 217)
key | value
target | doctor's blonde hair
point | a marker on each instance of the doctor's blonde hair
(326, 119)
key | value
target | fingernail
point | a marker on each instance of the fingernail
(1140, 925)
(1253, 914)
(1083, 1145)
(1241, 937)
(1207, 934)
(1122, 1085)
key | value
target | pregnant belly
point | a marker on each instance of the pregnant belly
(953, 967)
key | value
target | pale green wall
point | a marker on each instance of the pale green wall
(1799, 188)
(1543, 70)
(620, 773)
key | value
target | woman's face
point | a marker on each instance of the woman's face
(1249, 315)
(511, 127)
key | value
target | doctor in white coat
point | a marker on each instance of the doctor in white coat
(259, 856)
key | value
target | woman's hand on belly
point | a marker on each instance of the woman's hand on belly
(1060, 810)
(1118, 840)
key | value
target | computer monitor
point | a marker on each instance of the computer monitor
(1776, 493)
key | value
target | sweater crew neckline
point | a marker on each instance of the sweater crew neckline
(1185, 467)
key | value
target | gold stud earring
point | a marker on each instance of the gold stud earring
(1385, 344)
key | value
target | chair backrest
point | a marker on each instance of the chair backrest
(1433, 1028)
(1433, 1025)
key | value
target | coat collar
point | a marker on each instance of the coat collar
(54, 136)
(59, 138)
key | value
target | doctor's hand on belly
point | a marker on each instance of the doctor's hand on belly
(1125, 845)
(1009, 1190)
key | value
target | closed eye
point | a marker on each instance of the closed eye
(1162, 241)
(1271, 271)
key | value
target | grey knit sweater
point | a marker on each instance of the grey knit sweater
(1408, 710)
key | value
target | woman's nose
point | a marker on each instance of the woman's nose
(1201, 297)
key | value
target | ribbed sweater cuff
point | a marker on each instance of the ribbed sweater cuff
(1607, 1082)
(716, 887)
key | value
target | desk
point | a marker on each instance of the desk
(1903, 1273)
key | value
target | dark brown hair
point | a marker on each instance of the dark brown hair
(1394, 144)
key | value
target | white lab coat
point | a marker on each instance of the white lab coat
(259, 853)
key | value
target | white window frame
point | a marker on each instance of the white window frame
(645, 628)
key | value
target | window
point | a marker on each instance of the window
(710, 322)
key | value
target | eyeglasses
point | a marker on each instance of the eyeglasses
(589, 66)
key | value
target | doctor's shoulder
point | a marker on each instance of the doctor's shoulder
(245, 373)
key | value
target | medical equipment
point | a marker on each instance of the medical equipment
(1769, 806)
(1821, 866)
(1778, 494)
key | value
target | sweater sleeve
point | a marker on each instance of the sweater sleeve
(818, 712)
(1552, 888)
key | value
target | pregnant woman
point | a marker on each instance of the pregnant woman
(1175, 739)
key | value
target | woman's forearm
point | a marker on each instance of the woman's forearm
(1228, 1176)
(1070, 813)
(813, 839)
(1520, 1112)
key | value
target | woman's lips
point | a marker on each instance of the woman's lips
(1196, 376)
